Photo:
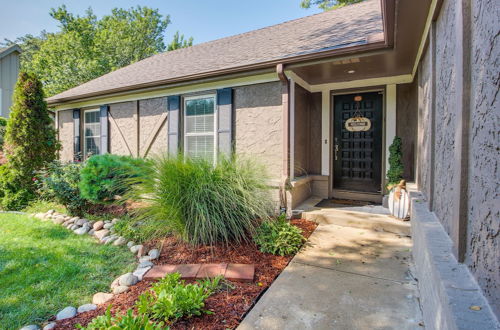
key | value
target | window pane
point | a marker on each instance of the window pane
(92, 146)
(200, 147)
(92, 132)
(200, 115)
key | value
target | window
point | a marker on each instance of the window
(91, 132)
(199, 127)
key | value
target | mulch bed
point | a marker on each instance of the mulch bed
(230, 305)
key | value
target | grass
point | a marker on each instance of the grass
(42, 206)
(45, 267)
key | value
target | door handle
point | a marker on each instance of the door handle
(336, 151)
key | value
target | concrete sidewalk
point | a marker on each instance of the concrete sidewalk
(345, 278)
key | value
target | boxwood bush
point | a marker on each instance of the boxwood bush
(203, 203)
(59, 182)
(279, 237)
(104, 177)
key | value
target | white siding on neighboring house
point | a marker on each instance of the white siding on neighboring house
(9, 70)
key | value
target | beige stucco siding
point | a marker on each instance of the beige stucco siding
(258, 125)
(123, 129)
(65, 132)
(151, 111)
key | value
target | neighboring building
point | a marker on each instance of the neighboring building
(9, 70)
(426, 71)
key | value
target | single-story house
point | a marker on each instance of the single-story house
(9, 70)
(319, 100)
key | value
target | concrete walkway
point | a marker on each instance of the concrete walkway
(345, 278)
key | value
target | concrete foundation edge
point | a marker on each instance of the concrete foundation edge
(447, 288)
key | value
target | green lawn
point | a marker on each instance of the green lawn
(45, 267)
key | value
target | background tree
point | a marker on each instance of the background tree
(179, 42)
(327, 4)
(30, 142)
(87, 47)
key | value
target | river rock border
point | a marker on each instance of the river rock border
(103, 231)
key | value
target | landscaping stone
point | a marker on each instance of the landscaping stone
(145, 264)
(91, 232)
(120, 241)
(101, 298)
(30, 327)
(135, 248)
(115, 220)
(86, 308)
(240, 272)
(73, 227)
(100, 234)
(51, 211)
(73, 219)
(115, 283)
(154, 253)
(50, 326)
(39, 215)
(98, 225)
(111, 239)
(139, 272)
(128, 279)
(130, 244)
(108, 225)
(82, 230)
(58, 220)
(211, 270)
(66, 313)
(145, 258)
(81, 222)
(69, 225)
(120, 289)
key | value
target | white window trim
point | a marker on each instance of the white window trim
(216, 121)
(85, 136)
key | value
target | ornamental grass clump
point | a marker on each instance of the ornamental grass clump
(202, 203)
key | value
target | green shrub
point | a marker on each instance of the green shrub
(203, 203)
(119, 321)
(60, 182)
(106, 176)
(279, 237)
(3, 125)
(30, 142)
(170, 299)
(396, 168)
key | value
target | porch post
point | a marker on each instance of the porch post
(292, 129)
(390, 123)
(325, 132)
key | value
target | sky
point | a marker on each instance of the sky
(204, 20)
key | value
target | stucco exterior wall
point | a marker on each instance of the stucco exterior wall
(151, 111)
(446, 117)
(123, 136)
(482, 241)
(258, 125)
(406, 125)
(65, 133)
(483, 231)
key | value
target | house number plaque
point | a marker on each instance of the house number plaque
(358, 123)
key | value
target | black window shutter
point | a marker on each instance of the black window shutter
(104, 129)
(77, 151)
(173, 106)
(225, 120)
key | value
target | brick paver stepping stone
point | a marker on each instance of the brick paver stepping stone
(233, 272)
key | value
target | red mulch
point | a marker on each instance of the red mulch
(229, 305)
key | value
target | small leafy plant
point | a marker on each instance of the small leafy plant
(396, 168)
(106, 176)
(127, 321)
(278, 237)
(170, 298)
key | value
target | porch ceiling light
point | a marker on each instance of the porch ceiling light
(351, 71)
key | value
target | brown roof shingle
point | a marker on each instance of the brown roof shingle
(344, 27)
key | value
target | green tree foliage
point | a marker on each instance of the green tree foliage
(396, 169)
(179, 42)
(327, 4)
(3, 125)
(30, 142)
(87, 47)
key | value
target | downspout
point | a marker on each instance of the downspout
(285, 118)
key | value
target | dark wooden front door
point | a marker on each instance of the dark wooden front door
(357, 155)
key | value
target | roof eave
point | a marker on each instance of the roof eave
(262, 65)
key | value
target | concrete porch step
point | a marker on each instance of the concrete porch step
(347, 218)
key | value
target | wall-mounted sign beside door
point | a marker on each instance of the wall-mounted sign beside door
(358, 123)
